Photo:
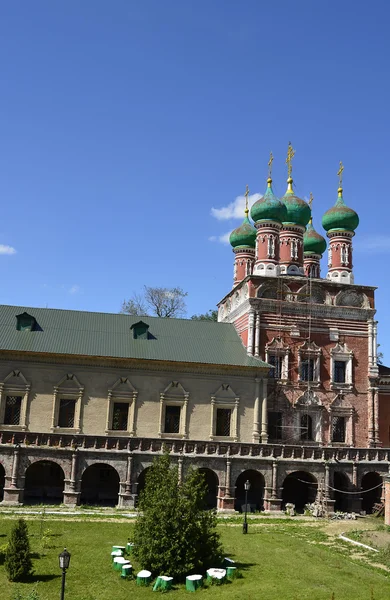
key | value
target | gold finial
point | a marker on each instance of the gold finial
(246, 200)
(271, 160)
(340, 174)
(310, 202)
(290, 156)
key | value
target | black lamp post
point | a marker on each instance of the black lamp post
(247, 487)
(64, 560)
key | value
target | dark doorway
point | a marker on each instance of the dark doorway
(342, 501)
(44, 483)
(371, 496)
(141, 482)
(299, 488)
(100, 486)
(212, 483)
(255, 493)
(2, 482)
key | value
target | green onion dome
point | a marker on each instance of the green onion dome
(245, 235)
(340, 217)
(313, 242)
(298, 211)
(269, 207)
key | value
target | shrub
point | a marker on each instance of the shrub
(18, 563)
(175, 535)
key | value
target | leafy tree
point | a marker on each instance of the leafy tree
(157, 301)
(174, 534)
(380, 358)
(210, 315)
(18, 563)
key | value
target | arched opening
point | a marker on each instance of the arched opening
(44, 483)
(255, 493)
(372, 482)
(2, 482)
(100, 485)
(141, 482)
(299, 488)
(342, 501)
(212, 483)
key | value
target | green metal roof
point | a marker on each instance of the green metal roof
(109, 335)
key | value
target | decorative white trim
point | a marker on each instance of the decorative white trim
(174, 395)
(15, 384)
(121, 392)
(225, 398)
(70, 388)
(276, 347)
(310, 350)
(341, 352)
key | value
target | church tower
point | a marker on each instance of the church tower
(314, 245)
(242, 241)
(340, 223)
(294, 225)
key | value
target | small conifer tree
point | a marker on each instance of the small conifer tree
(174, 534)
(17, 562)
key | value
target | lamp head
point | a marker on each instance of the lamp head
(64, 559)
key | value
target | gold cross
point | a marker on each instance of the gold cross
(311, 198)
(290, 156)
(271, 160)
(340, 173)
(246, 197)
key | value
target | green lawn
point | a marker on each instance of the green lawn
(285, 561)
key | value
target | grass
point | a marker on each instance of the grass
(280, 561)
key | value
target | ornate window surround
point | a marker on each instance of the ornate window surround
(341, 352)
(276, 347)
(174, 395)
(305, 351)
(310, 404)
(225, 398)
(341, 408)
(11, 388)
(122, 392)
(68, 388)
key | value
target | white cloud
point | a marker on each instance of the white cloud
(234, 210)
(222, 239)
(74, 289)
(7, 249)
(373, 244)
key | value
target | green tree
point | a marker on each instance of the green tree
(174, 534)
(18, 563)
(210, 315)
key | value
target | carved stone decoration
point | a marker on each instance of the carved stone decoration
(352, 298)
(309, 398)
(315, 295)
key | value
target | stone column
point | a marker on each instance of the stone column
(257, 334)
(13, 495)
(125, 497)
(180, 469)
(256, 413)
(264, 414)
(251, 324)
(376, 415)
(274, 503)
(225, 496)
(71, 494)
(370, 417)
(370, 341)
(387, 500)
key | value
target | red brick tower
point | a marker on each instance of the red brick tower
(242, 241)
(340, 223)
(314, 245)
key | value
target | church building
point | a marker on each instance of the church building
(284, 391)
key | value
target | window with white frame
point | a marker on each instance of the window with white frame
(308, 417)
(341, 362)
(277, 355)
(224, 414)
(341, 421)
(14, 391)
(67, 399)
(122, 399)
(309, 363)
(173, 411)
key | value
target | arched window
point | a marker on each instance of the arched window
(306, 427)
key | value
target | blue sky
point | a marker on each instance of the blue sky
(123, 124)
